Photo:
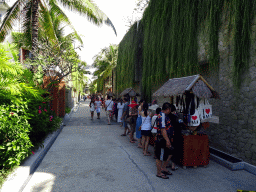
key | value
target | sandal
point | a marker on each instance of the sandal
(175, 168)
(132, 141)
(162, 176)
(166, 172)
(147, 154)
(123, 135)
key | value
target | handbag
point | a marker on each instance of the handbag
(205, 110)
(154, 131)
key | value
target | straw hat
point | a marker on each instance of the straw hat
(153, 107)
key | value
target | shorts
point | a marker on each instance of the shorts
(125, 124)
(108, 113)
(145, 132)
(162, 154)
(98, 110)
(133, 125)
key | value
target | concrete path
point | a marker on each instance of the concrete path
(92, 156)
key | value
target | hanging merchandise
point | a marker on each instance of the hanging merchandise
(194, 119)
(205, 109)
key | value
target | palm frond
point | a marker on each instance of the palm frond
(90, 9)
(9, 20)
(62, 18)
(47, 23)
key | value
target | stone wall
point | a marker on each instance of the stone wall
(236, 131)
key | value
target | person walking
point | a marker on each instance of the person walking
(109, 106)
(125, 116)
(133, 113)
(98, 105)
(120, 107)
(92, 108)
(145, 128)
(163, 143)
(138, 124)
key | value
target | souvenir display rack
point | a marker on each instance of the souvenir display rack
(188, 94)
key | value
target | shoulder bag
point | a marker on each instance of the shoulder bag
(154, 131)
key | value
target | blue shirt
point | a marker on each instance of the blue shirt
(126, 108)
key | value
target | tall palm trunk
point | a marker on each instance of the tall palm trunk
(35, 5)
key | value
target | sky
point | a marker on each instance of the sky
(94, 37)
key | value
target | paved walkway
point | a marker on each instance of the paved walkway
(92, 156)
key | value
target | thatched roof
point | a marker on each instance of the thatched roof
(129, 91)
(196, 83)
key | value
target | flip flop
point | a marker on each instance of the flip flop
(174, 168)
(162, 176)
(132, 141)
(123, 135)
(147, 154)
(166, 172)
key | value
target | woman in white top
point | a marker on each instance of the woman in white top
(92, 108)
(120, 107)
(109, 105)
(145, 128)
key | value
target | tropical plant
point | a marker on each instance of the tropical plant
(105, 62)
(31, 10)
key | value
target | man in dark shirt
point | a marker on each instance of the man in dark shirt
(165, 134)
(176, 137)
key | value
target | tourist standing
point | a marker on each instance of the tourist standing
(138, 124)
(109, 106)
(98, 105)
(114, 110)
(120, 107)
(145, 128)
(163, 143)
(176, 137)
(154, 126)
(125, 116)
(92, 107)
(133, 113)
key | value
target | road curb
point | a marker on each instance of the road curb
(18, 180)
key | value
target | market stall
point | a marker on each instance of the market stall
(130, 93)
(190, 96)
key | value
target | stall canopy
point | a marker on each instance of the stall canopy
(129, 91)
(196, 83)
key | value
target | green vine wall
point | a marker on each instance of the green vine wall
(170, 30)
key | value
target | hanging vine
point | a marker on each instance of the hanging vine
(170, 40)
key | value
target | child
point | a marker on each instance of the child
(92, 108)
(98, 104)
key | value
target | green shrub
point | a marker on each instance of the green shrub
(67, 110)
(14, 140)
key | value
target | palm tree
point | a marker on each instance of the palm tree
(106, 62)
(32, 10)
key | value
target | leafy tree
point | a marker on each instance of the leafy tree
(105, 61)
(32, 10)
